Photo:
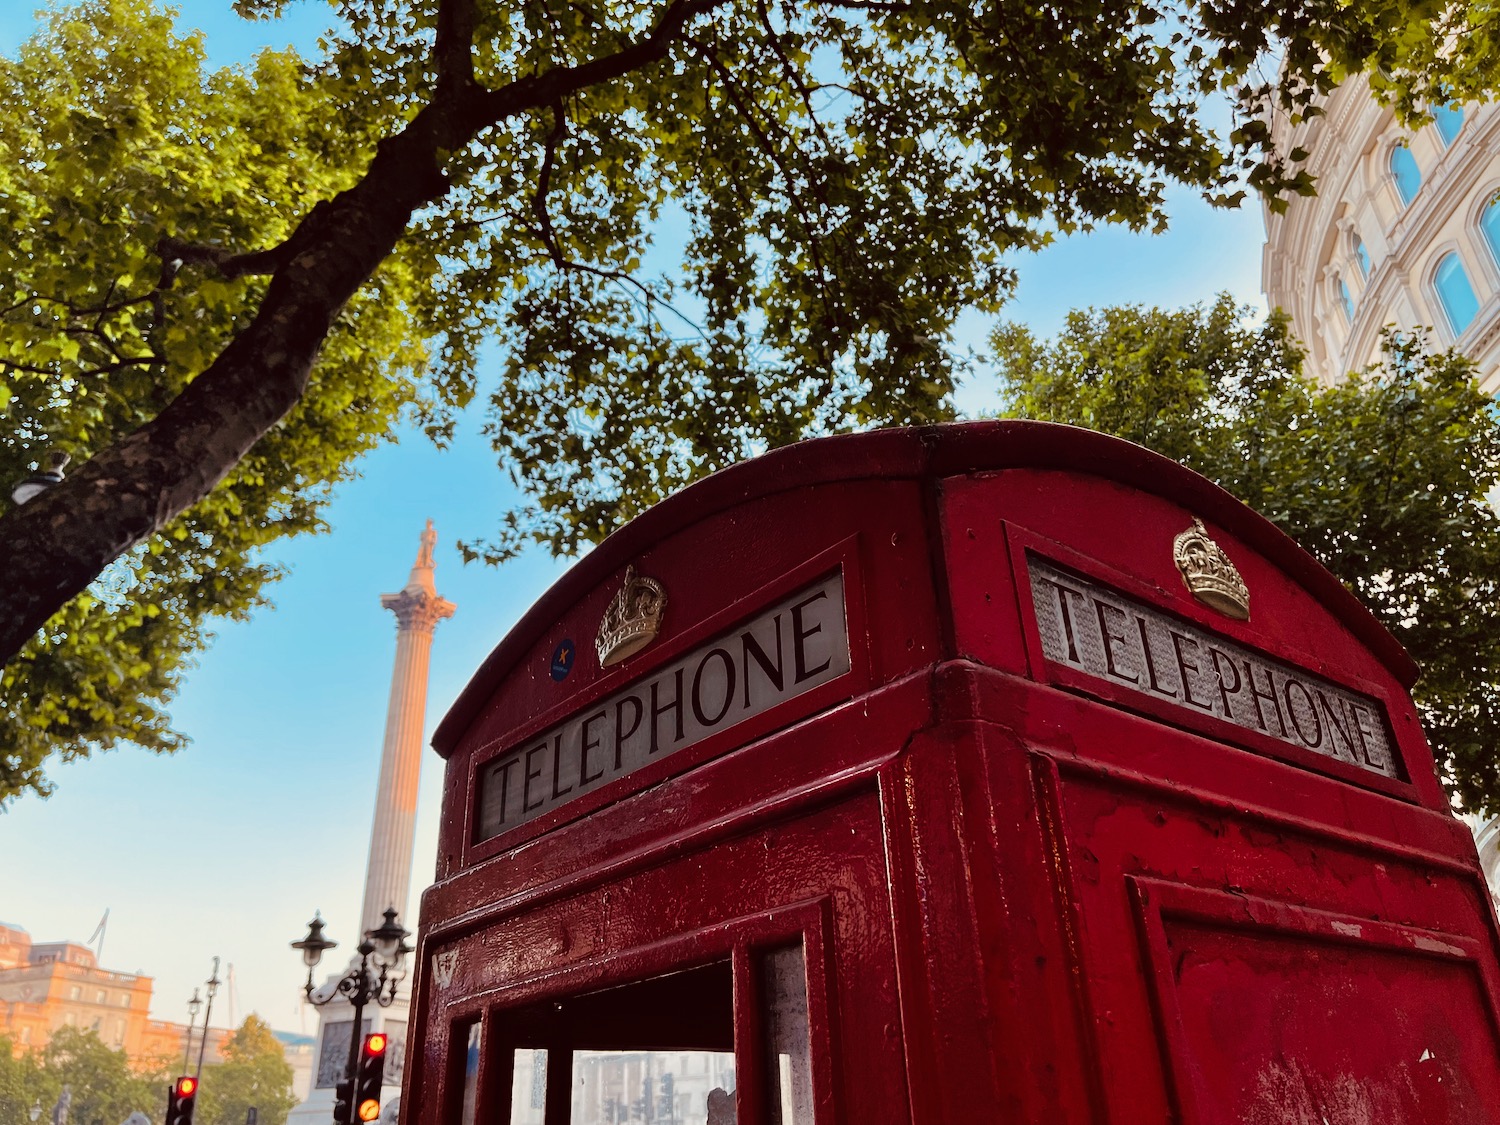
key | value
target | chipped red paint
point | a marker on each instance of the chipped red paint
(1026, 891)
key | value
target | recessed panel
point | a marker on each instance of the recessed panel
(1270, 1027)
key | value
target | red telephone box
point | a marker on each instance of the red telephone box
(994, 772)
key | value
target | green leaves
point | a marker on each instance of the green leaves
(254, 1073)
(1382, 476)
(130, 142)
(721, 226)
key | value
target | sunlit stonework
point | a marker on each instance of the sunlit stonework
(1209, 574)
(632, 620)
(1404, 230)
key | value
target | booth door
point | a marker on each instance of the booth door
(748, 981)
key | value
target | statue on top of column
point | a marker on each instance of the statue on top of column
(429, 541)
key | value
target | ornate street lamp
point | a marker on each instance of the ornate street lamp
(381, 968)
(193, 1005)
(212, 984)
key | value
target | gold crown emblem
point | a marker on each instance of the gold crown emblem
(632, 620)
(1208, 573)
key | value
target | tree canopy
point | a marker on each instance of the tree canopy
(254, 1073)
(690, 229)
(1382, 476)
(101, 1084)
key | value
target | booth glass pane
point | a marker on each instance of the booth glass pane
(470, 1104)
(528, 1087)
(666, 1087)
(788, 1046)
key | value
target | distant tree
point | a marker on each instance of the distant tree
(254, 1073)
(104, 1085)
(217, 288)
(1382, 476)
(20, 1083)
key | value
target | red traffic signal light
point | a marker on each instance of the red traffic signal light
(370, 1076)
(181, 1095)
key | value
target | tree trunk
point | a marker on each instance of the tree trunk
(55, 545)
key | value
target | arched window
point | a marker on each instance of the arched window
(1362, 256)
(1449, 119)
(1455, 293)
(1345, 299)
(1489, 224)
(1405, 172)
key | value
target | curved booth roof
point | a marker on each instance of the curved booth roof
(928, 454)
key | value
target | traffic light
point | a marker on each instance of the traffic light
(180, 1098)
(371, 1076)
(343, 1095)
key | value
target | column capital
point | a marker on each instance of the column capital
(417, 610)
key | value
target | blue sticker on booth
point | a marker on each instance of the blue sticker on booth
(562, 659)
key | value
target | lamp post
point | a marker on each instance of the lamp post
(192, 1006)
(36, 1110)
(381, 969)
(212, 985)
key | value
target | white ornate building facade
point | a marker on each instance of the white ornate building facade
(1404, 230)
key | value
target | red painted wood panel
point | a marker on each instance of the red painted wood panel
(1031, 892)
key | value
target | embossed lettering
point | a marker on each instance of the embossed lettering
(1067, 616)
(1335, 726)
(800, 635)
(590, 743)
(658, 709)
(1092, 628)
(1314, 740)
(1268, 696)
(1109, 651)
(698, 712)
(621, 734)
(750, 648)
(532, 775)
(1183, 668)
(1223, 662)
(1140, 623)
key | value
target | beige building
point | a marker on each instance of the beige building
(1404, 230)
(47, 986)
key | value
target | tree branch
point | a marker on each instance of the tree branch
(56, 544)
(537, 90)
(453, 48)
(128, 361)
(649, 298)
(229, 264)
(793, 75)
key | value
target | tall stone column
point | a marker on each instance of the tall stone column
(418, 609)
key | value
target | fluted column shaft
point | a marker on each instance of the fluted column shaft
(418, 609)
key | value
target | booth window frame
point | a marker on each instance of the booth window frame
(743, 942)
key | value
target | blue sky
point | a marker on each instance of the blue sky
(227, 848)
